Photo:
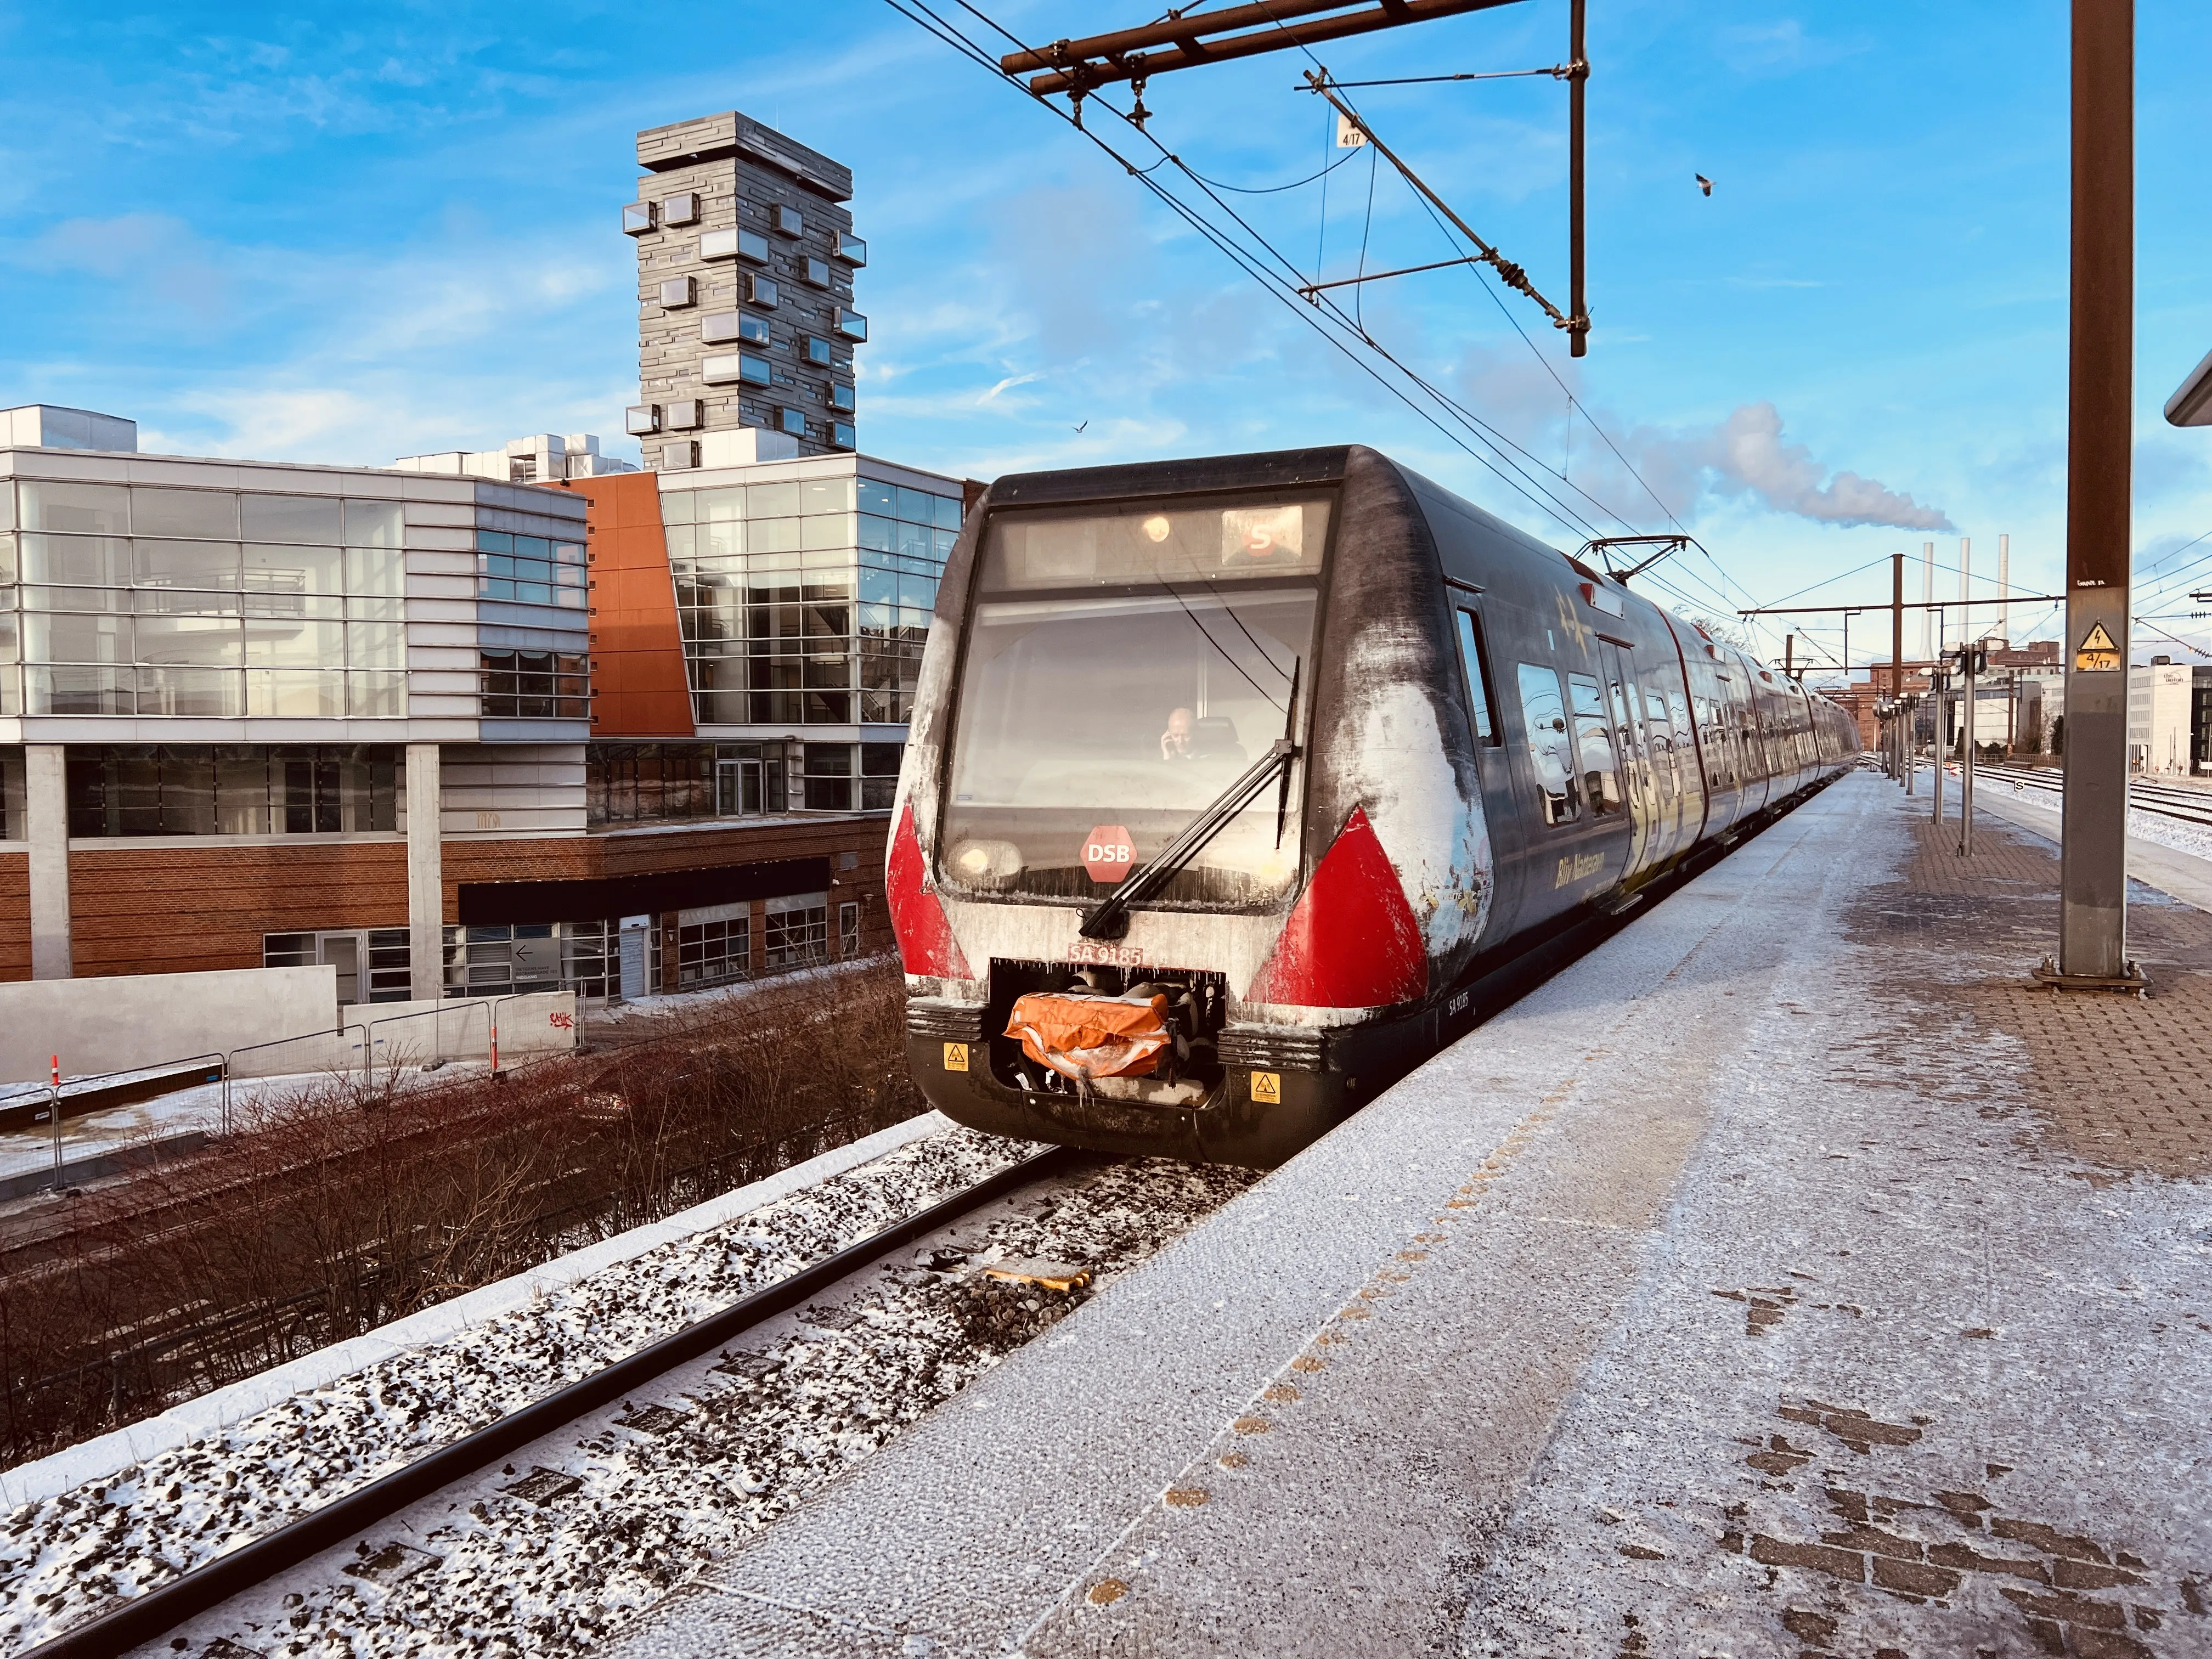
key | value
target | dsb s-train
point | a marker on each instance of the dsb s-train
(1232, 783)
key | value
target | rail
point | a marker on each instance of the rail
(2163, 799)
(154, 1614)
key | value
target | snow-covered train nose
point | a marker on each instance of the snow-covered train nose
(1352, 940)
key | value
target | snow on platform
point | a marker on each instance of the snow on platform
(1764, 1282)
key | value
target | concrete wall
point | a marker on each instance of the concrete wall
(119, 1021)
(415, 1033)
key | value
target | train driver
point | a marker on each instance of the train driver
(1175, 741)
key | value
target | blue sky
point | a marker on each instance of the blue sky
(346, 237)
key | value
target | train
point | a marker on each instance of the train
(1234, 786)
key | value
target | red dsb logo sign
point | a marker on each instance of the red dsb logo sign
(1108, 852)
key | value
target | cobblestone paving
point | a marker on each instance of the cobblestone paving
(2119, 1080)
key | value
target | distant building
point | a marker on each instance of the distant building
(2200, 717)
(758, 627)
(543, 458)
(746, 263)
(44, 426)
(259, 713)
(2160, 707)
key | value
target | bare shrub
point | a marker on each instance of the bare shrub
(346, 1204)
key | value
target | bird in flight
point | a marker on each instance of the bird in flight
(1080, 427)
(1704, 184)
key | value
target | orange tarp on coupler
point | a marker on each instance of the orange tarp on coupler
(1091, 1037)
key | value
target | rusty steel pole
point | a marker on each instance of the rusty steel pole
(1577, 75)
(1896, 663)
(2092, 918)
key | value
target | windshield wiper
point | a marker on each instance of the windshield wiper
(1111, 919)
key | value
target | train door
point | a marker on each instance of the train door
(1506, 817)
(1666, 771)
(1686, 764)
(1621, 703)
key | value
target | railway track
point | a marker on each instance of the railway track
(2174, 801)
(688, 1423)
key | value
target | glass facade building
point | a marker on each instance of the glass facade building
(806, 600)
(141, 600)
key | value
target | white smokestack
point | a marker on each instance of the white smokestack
(2004, 588)
(1966, 564)
(1927, 600)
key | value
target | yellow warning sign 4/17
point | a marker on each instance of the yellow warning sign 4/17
(2097, 654)
(956, 1056)
(1266, 1088)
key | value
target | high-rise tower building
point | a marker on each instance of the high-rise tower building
(746, 259)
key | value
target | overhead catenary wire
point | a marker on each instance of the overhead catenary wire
(1258, 269)
(1557, 72)
(1265, 264)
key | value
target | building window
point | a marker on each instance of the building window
(508, 960)
(852, 325)
(637, 218)
(680, 456)
(752, 246)
(12, 826)
(849, 930)
(718, 244)
(760, 290)
(793, 420)
(682, 209)
(851, 249)
(797, 933)
(736, 365)
(530, 569)
(842, 396)
(829, 777)
(722, 327)
(682, 416)
(843, 435)
(648, 782)
(787, 220)
(817, 271)
(535, 685)
(162, 620)
(817, 349)
(373, 963)
(879, 771)
(714, 945)
(232, 789)
(641, 420)
(679, 291)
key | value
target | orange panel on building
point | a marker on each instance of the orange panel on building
(638, 686)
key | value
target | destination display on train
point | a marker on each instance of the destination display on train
(1064, 548)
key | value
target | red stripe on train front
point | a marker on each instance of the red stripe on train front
(1351, 940)
(925, 937)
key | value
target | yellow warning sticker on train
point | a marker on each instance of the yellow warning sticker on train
(1267, 1088)
(956, 1056)
(2097, 654)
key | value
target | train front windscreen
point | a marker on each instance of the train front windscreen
(1122, 667)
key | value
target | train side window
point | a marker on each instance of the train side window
(1551, 748)
(1601, 773)
(1478, 676)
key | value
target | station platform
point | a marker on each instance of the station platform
(1788, 1276)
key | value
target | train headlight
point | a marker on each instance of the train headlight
(987, 861)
